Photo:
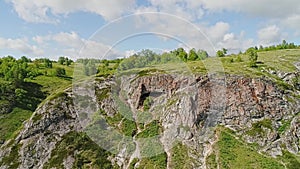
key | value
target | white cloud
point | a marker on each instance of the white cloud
(129, 53)
(269, 35)
(47, 11)
(199, 36)
(219, 33)
(20, 45)
(261, 8)
(188, 9)
(72, 45)
(235, 43)
(292, 21)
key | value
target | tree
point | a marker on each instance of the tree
(224, 51)
(48, 63)
(60, 72)
(252, 54)
(192, 55)
(181, 53)
(220, 53)
(239, 58)
(284, 44)
(25, 59)
(69, 62)
(202, 54)
(61, 60)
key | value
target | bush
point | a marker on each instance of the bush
(252, 54)
(60, 72)
(147, 103)
(239, 58)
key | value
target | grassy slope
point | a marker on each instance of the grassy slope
(52, 84)
(280, 60)
(12, 122)
(233, 153)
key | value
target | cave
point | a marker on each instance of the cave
(144, 95)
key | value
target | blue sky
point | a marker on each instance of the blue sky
(106, 29)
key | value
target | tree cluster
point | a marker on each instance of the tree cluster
(65, 61)
(283, 45)
(13, 88)
(222, 53)
(147, 57)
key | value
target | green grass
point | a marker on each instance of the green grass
(151, 130)
(133, 162)
(51, 83)
(12, 159)
(236, 154)
(211, 161)
(114, 120)
(102, 93)
(257, 127)
(87, 154)
(285, 125)
(12, 122)
(279, 60)
(291, 161)
(179, 157)
(154, 162)
(128, 127)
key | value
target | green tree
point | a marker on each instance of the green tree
(224, 51)
(61, 60)
(220, 53)
(202, 54)
(60, 72)
(181, 53)
(68, 61)
(47, 63)
(192, 55)
(25, 59)
(252, 54)
(239, 58)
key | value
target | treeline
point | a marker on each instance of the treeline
(100, 67)
(251, 52)
(147, 58)
(283, 45)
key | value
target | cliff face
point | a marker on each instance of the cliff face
(173, 111)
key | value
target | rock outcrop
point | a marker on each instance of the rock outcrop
(186, 108)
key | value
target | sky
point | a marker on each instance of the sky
(118, 28)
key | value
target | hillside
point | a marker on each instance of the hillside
(164, 112)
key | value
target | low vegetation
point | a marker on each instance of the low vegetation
(258, 127)
(79, 146)
(235, 154)
(180, 157)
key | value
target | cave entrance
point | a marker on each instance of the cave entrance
(144, 95)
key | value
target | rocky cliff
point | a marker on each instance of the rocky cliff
(162, 118)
